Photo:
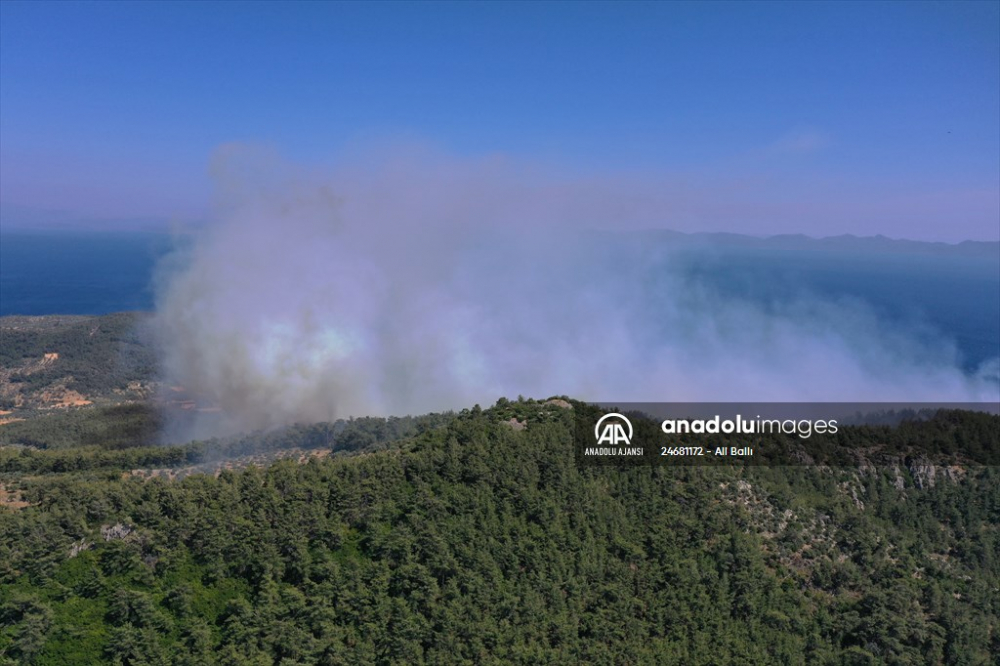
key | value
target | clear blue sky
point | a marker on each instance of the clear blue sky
(820, 118)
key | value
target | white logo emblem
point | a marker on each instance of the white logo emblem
(613, 433)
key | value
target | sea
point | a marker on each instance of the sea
(952, 291)
(77, 272)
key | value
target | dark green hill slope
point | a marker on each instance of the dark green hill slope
(474, 542)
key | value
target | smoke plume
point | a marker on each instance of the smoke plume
(403, 285)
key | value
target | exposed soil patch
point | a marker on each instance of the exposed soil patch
(61, 397)
(12, 499)
(559, 402)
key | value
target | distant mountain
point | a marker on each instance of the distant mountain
(842, 243)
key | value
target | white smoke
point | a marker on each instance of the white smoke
(411, 285)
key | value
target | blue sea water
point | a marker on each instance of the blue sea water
(950, 294)
(63, 272)
(953, 296)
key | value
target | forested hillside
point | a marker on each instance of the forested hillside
(464, 539)
(65, 361)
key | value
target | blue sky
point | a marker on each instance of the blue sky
(750, 117)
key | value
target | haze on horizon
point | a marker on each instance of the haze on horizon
(301, 306)
(812, 118)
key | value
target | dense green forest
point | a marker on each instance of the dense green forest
(458, 538)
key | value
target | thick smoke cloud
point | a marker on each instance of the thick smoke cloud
(410, 284)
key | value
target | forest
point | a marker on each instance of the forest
(460, 539)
